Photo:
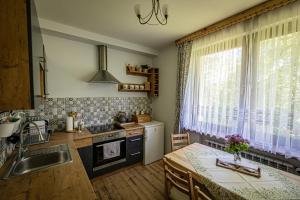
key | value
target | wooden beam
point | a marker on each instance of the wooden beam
(235, 19)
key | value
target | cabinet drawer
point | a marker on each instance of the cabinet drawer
(138, 131)
(137, 156)
(134, 144)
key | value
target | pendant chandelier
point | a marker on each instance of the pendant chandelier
(161, 16)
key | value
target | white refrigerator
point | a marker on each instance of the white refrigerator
(153, 141)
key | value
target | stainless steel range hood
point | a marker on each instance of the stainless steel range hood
(103, 76)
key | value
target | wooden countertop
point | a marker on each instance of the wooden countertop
(66, 181)
(128, 127)
(87, 134)
(131, 126)
(84, 134)
(133, 129)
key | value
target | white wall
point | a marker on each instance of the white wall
(164, 105)
(72, 63)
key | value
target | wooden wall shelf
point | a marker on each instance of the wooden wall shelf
(153, 79)
(154, 82)
(128, 90)
(121, 88)
(135, 73)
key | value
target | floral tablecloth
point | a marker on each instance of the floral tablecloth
(227, 184)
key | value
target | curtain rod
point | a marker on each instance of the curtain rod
(235, 19)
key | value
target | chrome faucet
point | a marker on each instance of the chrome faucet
(23, 149)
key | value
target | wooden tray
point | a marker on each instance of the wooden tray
(239, 168)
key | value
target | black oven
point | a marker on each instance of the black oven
(100, 161)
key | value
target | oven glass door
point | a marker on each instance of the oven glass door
(99, 158)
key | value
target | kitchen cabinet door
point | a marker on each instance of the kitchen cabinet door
(15, 85)
(21, 52)
(86, 155)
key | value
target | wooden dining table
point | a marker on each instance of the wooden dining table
(224, 183)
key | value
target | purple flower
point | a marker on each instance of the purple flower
(236, 139)
(236, 143)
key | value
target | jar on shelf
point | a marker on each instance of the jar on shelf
(136, 68)
(131, 68)
(125, 86)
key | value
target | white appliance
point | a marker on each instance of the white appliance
(153, 141)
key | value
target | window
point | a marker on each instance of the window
(248, 84)
(276, 102)
(220, 76)
(214, 88)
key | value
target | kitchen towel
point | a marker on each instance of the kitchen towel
(42, 126)
(111, 150)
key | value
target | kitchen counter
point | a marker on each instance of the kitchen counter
(66, 181)
(84, 134)
(131, 126)
(133, 129)
(87, 134)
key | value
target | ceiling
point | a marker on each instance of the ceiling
(116, 18)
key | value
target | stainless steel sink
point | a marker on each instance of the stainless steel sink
(40, 159)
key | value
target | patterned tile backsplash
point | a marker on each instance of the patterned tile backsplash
(94, 111)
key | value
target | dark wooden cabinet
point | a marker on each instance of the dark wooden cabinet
(134, 146)
(21, 57)
(86, 155)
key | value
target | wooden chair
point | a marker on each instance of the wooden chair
(179, 140)
(178, 183)
(200, 195)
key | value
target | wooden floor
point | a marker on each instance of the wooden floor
(135, 182)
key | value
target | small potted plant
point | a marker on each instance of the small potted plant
(235, 144)
(145, 68)
(8, 126)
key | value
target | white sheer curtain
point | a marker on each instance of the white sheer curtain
(246, 80)
(213, 87)
(274, 97)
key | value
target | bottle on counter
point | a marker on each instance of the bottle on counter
(80, 125)
(76, 124)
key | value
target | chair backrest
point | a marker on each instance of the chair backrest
(179, 140)
(200, 195)
(175, 177)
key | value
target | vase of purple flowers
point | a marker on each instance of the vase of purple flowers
(235, 144)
